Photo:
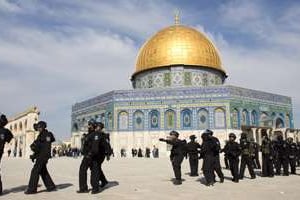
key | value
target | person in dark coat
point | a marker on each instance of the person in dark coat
(42, 153)
(208, 155)
(217, 150)
(292, 154)
(193, 150)
(5, 137)
(246, 157)
(90, 160)
(177, 154)
(267, 152)
(232, 151)
(140, 153)
(226, 161)
(281, 154)
(105, 151)
(255, 157)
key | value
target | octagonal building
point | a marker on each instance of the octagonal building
(178, 84)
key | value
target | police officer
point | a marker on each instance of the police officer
(255, 155)
(5, 137)
(226, 162)
(105, 150)
(246, 157)
(281, 153)
(298, 153)
(90, 160)
(217, 165)
(232, 151)
(267, 156)
(42, 153)
(193, 149)
(292, 150)
(177, 154)
(208, 155)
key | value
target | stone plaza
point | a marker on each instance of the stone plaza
(142, 178)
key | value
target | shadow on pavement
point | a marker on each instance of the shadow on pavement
(21, 188)
(109, 185)
(58, 187)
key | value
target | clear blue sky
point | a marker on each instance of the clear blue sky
(55, 53)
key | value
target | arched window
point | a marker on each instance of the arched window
(235, 119)
(123, 120)
(138, 120)
(15, 127)
(20, 126)
(287, 121)
(109, 122)
(203, 120)
(245, 117)
(170, 119)
(25, 124)
(186, 118)
(220, 118)
(75, 127)
(264, 119)
(254, 118)
(279, 123)
(154, 119)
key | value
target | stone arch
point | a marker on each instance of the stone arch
(287, 120)
(219, 115)
(186, 118)
(138, 120)
(203, 118)
(109, 121)
(263, 119)
(20, 126)
(279, 123)
(254, 118)
(25, 124)
(170, 119)
(123, 120)
(245, 117)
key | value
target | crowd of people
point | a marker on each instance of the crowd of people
(277, 154)
(139, 152)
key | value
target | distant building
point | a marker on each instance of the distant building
(178, 84)
(21, 125)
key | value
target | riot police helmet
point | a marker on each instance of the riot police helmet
(42, 124)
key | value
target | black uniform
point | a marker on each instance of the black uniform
(193, 149)
(5, 137)
(217, 164)
(256, 162)
(226, 161)
(246, 158)
(207, 152)
(90, 160)
(292, 150)
(42, 153)
(298, 154)
(232, 151)
(281, 155)
(177, 155)
(105, 150)
(267, 157)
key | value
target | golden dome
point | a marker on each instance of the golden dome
(178, 45)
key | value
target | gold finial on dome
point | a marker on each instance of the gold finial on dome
(177, 17)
